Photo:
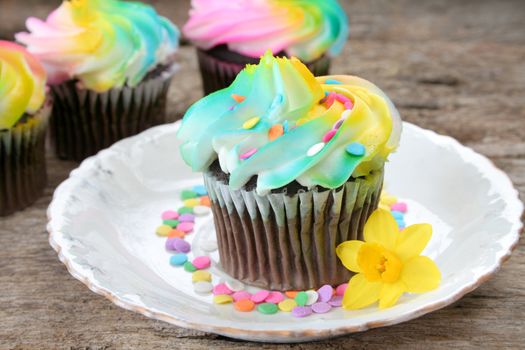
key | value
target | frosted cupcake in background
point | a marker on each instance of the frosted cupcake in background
(293, 165)
(109, 64)
(24, 114)
(231, 34)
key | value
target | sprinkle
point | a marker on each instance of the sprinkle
(342, 98)
(250, 123)
(301, 298)
(312, 151)
(329, 135)
(201, 262)
(187, 218)
(338, 124)
(248, 154)
(330, 100)
(163, 230)
(200, 190)
(260, 296)
(171, 223)
(234, 285)
(201, 210)
(241, 295)
(178, 259)
(188, 267)
(231, 108)
(336, 301)
(321, 307)
(274, 298)
(201, 276)
(185, 227)
(205, 200)
(185, 210)
(301, 121)
(287, 305)
(332, 82)
(238, 98)
(312, 297)
(187, 194)
(346, 114)
(222, 299)
(244, 305)
(340, 290)
(275, 131)
(202, 287)
(356, 149)
(301, 311)
(169, 215)
(400, 207)
(209, 246)
(176, 233)
(349, 105)
(267, 308)
(221, 288)
(325, 292)
(178, 244)
(285, 126)
(190, 203)
(291, 293)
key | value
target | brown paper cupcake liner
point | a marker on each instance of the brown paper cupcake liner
(84, 122)
(284, 242)
(218, 74)
(23, 162)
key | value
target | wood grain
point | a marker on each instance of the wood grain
(457, 67)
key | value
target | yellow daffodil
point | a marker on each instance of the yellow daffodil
(388, 263)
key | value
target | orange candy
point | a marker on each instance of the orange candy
(176, 233)
(205, 200)
(291, 293)
(244, 305)
(275, 131)
(238, 98)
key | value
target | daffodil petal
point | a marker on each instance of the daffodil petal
(381, 228)
(347, 252)
(412, 240)
(360, 292)
(420, 274)
(390, 293)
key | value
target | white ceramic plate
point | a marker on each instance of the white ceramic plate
(102, 221)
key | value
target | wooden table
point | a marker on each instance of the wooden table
(457, 67)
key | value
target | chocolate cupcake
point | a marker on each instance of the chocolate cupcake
(110, 64)
(231, 34)
(293, 165)
(24, 114)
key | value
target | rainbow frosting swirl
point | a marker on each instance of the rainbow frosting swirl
(22, 84)
(102, 43)
(280, 123)
(306, 29)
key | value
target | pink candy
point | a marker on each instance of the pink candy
(248, 154)
(202, 262)
(340, 290)
(260, 296)
(329, 135)
(169, 215)
(274, 298)
(222, 288)
(330, 99)
(349, 105)
(342, 98)
(185, 227)
(399, 206)
(241, 295)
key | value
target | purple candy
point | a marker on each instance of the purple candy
(301, 311)
(336, 301)
(187, 218)
(325, 293)
(178, 244)
(321, 307)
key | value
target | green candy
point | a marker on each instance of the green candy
(267, 308)
(301, 298)
(185, 210)
(188, 267)
(172, 223)
(187, 194)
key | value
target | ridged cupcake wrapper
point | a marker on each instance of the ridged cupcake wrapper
(218, 74)
(23, 162)
(84, 122)
(283, 242)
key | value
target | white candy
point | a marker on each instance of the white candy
(312, 297)
(312, 151)
(202, 287)
(209, 246)
(201, 210)
(234, 285)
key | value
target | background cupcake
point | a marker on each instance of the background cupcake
(24, 113)
(231, 34)
(110, 64)
(293, 165)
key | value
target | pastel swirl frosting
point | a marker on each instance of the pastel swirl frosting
(280, 123)
(22, 84)
(102, 43)
(306, 29)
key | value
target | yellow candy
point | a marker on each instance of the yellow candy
(387, 199)
(384, 206)
(250, 123)
(163, 230)
(192, 202)
(222, 299)
(287, 305)
(201, 276)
